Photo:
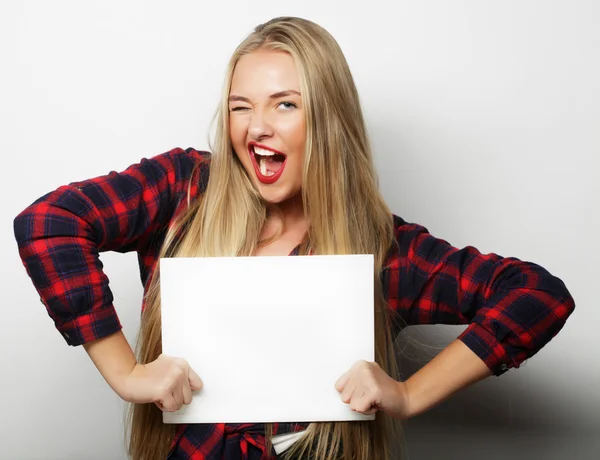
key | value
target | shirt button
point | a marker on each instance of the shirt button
(66, 336)
(504, 367)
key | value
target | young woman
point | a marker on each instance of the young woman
(290, 173)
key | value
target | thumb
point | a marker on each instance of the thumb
(195, 380)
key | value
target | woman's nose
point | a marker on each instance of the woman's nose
(259, 127)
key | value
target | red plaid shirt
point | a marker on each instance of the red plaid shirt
(512, 308)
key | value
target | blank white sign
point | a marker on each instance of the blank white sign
(269, 336)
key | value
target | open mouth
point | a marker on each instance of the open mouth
(268, 163)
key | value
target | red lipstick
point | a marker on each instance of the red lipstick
(262, 178)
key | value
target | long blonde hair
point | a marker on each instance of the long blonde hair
(346, 212)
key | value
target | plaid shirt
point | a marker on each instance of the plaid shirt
(512, 308)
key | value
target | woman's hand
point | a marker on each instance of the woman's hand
(167, 382)
(367, 389)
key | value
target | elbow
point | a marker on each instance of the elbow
(560, 301)
(20, 227)
(550, 290)
(30, 220)
(547, 301)
(558, 289)
(567, 301)
(24, 223)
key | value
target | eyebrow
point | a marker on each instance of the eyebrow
(278, 95)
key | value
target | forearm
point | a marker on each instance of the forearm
(453, 369)
(114, 358)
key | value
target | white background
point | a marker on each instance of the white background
(484, 118)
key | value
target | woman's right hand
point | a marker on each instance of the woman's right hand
(168, 382)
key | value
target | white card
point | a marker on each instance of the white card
(269, 336)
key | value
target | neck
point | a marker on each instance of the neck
(288, 214)
(291, 210)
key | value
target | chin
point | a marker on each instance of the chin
(277, 197)
(271, 198)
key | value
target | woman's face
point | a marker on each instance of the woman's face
(267, 126)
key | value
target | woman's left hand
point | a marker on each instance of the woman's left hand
(367, 389)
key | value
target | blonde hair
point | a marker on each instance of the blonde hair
(346, 212)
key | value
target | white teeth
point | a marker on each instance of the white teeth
(263, 152)
(262, 155)
(263, 166)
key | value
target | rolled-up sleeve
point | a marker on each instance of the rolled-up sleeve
(61, 234)
(512, 308)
